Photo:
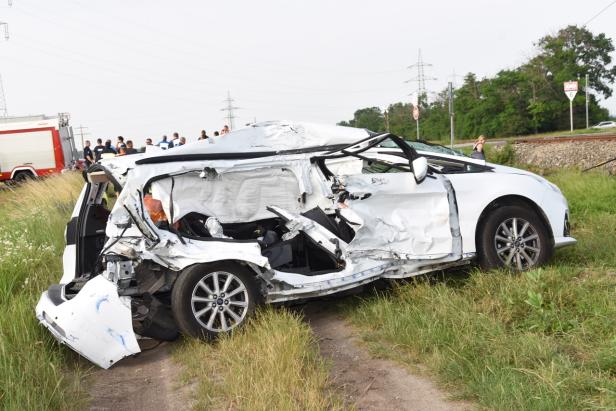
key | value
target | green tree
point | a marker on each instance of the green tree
(574, 52)
(370, 118)
(521, 100)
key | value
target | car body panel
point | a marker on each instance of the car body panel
(96, 323)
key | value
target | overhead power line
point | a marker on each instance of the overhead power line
(3, 110)
(229, 109)
(600, 12)
(421, 78)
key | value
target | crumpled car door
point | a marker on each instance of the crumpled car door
(400, 219)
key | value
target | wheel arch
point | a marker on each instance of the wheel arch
(506, 200)
(245, 264)
(23, 169)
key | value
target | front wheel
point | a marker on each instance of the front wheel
(514, 237)
(209, 299)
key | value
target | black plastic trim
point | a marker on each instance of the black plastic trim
(233, 156)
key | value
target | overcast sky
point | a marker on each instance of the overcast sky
(146, 68)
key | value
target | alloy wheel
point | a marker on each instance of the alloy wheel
(219, 301)
(517, 243)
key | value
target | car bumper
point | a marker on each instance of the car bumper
(560, 242)
(96, 323)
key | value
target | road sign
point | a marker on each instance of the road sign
(571, 89)
(415, 113)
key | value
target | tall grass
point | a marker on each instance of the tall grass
(272, 363)
(32, 222)
(545, 339)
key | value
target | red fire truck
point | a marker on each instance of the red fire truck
(33, 146)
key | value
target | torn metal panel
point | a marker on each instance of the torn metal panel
(413, 221)
(96, 323)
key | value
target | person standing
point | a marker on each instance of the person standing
(129, 148)
(87, 154)
(478, 148)
(98, 150)
(148, 143)
(175, 140)
(165, 144)
(108, 150)
(120, 143)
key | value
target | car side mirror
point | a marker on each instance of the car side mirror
(420, 169)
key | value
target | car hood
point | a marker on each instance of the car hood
(497, 168)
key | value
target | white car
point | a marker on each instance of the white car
(278, 211)
(605, 124)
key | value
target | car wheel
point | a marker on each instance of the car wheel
(23, 176)
(514, 237)
(209, 299)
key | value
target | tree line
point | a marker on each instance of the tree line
(524, 100)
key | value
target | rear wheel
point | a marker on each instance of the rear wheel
(514, 237)
(22, 176)
(209, 299)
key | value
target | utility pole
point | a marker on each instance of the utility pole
(6, 29)
(450, 92)
(386, 114)
(586, 91)
(229, 109)
(3, 111)
(81, 134)
(453, 76)
(420, 79)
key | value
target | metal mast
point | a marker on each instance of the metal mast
(229, 109)
(420, 79)
(3, 110)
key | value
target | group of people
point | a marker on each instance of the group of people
(222, 132)
(122, 148)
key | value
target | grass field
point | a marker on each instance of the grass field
(543, 340)
(37, 373)
(32, 365)
(271, 364)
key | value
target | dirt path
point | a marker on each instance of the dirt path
(369, 383)
(149, 381)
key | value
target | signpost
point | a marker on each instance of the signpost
(571, 89)
(450, 93)
(416, 117)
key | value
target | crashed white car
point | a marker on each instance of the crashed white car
(201, 234)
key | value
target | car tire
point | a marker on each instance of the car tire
(22, 177)
(210, 299)
(514, 237)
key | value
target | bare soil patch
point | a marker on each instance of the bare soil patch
(147, 381)
(371, 383)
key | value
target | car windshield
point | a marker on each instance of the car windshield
(425, 146)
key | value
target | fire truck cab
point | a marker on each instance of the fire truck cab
(33, 146)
